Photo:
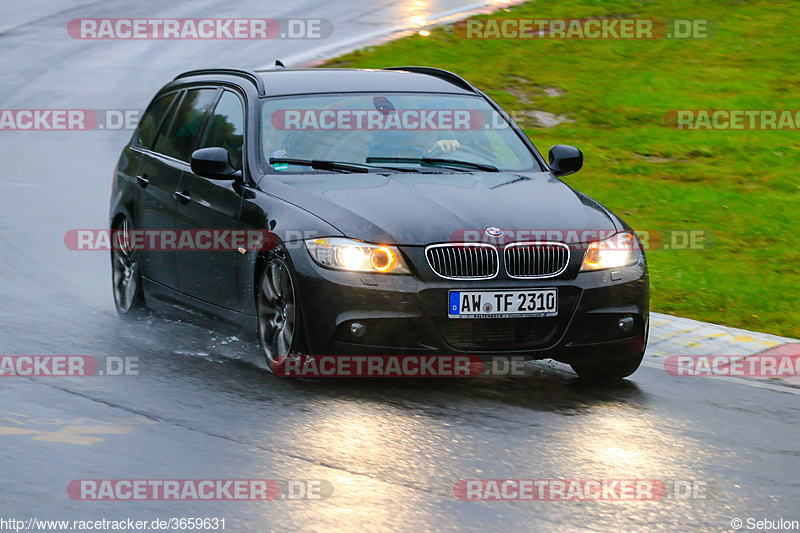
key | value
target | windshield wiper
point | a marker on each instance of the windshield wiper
(434, 162)
(320, 164)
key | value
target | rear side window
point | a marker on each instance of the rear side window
(148, 128)
(225, 129)
(181, 138)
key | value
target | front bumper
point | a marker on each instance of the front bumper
(407, 314)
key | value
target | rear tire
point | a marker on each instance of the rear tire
(609, 371)
(126, 275)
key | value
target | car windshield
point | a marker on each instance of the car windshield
(352, 127)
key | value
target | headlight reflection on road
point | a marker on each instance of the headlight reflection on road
(371, 454)
(616, 444)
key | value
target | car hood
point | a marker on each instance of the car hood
(425, 208)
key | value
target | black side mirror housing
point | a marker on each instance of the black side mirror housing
(565, 160)
(214, 163)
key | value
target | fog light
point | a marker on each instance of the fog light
(357, 329)
(626, 324)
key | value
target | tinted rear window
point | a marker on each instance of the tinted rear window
(182, 136)
(148, 128)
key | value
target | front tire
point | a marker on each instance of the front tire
(279, 320)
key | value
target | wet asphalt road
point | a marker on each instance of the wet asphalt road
(203, 407)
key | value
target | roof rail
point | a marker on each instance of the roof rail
(242, 73)
(438, 73)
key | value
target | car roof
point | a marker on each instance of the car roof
(301, 81)
(284, 81)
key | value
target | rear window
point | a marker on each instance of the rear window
(180, 140)
(153, 117)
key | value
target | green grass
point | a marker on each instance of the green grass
(742, 186)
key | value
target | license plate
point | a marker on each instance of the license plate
(503, 304)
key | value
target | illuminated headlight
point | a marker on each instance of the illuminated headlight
(356, 256)
(616, 252)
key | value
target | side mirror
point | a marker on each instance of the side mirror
(214, 163)
(565, 160)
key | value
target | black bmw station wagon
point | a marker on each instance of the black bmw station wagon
(408, 214)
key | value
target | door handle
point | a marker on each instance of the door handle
(143, 181)
(183, 197)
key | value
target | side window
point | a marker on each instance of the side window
(226, 128)
(182, 136)
(152, 119)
